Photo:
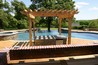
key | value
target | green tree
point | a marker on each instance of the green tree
(18, 6)
(5, 10)
(22, 24)
(52, 4)
(93, 23)
(88, 23)
(22, 20)
(10, 16)
(13, 23)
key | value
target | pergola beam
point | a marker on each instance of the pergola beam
(52, 13)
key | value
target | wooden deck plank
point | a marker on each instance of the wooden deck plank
(15, 44)
(27, 43)
(20, 43)
(23, 43)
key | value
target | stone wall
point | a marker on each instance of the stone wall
(9, 37)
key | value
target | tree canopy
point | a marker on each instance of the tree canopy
(11, 18)
(52, 5)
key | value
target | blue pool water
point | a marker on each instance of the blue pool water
(91, 36)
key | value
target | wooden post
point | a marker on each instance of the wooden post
(30, 31)
(30, 17)
(34, 30)
(60, 21)
(30, 28)
(69, 30)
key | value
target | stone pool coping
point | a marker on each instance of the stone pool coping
(6, 33)
(21, 30)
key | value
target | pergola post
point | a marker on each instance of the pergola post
(60, 21)
(30, 31)
(69, 30)
(34, 30)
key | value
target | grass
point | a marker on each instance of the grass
(50, 28)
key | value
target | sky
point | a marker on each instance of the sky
(88, 9)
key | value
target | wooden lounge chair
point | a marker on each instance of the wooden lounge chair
(45, 40)
(60, 39)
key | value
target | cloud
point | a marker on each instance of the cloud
(94, 8)
(81, 4)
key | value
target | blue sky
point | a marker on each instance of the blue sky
(88, 9)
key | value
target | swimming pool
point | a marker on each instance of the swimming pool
(83, 35)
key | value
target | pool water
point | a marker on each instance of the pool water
(83, 35)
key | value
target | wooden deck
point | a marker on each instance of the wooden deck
(21, 44)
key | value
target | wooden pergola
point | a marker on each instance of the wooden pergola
(68, 14)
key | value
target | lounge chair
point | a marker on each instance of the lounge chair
(45, 40)
(60, 39)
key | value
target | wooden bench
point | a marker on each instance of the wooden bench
(50, 51)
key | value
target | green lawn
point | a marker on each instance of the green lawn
(50, 29)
